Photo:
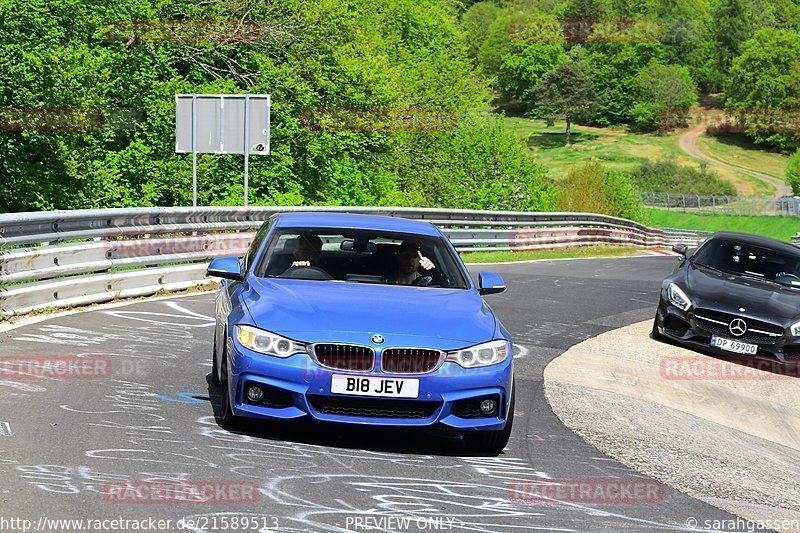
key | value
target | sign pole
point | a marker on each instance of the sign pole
(246, 150)
(194, 150)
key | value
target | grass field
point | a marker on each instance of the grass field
(781, 228)
(738, 150)
(619, 149)
(563, 253)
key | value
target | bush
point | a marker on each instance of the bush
(665, 175)
(793, 172)
(590, 188)
(483, 165)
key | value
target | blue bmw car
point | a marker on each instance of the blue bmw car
(358, 319)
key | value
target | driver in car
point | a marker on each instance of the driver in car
(409, 259)
(308, 251)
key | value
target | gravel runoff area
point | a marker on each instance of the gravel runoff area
(729, 435)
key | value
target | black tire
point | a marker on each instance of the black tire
(215, 364)
(228, 419)
(492, 441)
(654, 333)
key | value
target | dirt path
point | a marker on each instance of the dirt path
(688, 143)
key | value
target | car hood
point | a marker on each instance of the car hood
(325, 311)
(726, 292)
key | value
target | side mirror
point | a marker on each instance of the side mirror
(226, 267)
(680, 249)
(490, 283)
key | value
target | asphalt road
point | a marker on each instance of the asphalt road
(63, 443)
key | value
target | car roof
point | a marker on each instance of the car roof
(757, 240)
(310, 219)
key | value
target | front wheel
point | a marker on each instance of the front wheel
(228, 419)
(492, 441)
(215, 364)
(654, 333)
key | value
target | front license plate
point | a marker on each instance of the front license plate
(734, 346)
(371, 386)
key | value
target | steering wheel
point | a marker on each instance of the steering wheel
(785, 275)
(306, 272)
(422, 281)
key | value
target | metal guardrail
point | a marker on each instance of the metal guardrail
(70, 258)
(682, 236)
(723, 205)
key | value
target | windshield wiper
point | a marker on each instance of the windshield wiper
(711, 268)
(761, 278)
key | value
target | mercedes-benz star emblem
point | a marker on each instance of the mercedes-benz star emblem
(737, 327)
(378, 339)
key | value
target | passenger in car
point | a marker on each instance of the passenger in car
(409, 258)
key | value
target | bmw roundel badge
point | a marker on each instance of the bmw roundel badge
(378, 339)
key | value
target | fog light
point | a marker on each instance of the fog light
(254, 394)
(488, 406)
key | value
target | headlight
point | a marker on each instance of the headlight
(795, 329)
(488, 353)
(678, 298)
(267, 343)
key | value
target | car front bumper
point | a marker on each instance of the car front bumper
(298, 387)
(684, 328)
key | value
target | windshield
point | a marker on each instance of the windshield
(361, 256)
(734, 257)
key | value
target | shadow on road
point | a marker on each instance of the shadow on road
(412, 441)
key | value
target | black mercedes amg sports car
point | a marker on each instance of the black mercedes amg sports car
(736, 294)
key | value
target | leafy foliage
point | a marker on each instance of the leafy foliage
(662, 89)
(793, 172)
(766, 76)
(363, 56)
(486, 167)
(666, 175)
(592, 189)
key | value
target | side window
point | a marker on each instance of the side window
(255, 245)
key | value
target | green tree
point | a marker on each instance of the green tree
(614, 68)
(477, 20)
(519, 51)
(734, 26)
(765, 78)
(689, 37)
(662, 90)
(793, 172)
(585, 9)
(567, 91)
(364, 56)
